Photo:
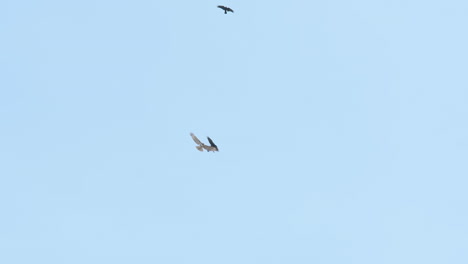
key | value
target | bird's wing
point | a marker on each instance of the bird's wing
(222, 7)
(229, 9)
(196, 139)
(212, 143)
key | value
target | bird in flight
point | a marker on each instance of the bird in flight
(226, 9)
(202, 146)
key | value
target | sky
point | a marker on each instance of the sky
(341, 125)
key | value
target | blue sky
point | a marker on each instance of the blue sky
(342, 128)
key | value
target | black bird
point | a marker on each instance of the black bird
(226, 9)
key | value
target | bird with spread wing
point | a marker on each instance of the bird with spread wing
(202, 146)
(226, 9)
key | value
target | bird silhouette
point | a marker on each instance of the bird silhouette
(226, 9)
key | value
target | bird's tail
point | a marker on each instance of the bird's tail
(200, 148)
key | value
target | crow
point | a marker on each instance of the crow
(226, 9)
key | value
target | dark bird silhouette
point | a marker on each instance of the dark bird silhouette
(202, 146)
(226, 9)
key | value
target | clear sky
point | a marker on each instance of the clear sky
(342, 128)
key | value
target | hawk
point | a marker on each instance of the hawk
(202, 146)
(226, 9)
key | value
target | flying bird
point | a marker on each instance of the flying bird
(202, 146)
(226, 9)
